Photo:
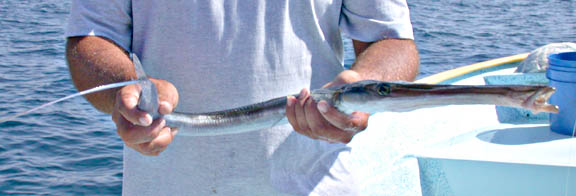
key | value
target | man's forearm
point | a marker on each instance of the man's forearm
(95, 61)
(386, 60)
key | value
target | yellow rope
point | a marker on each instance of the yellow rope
(446, 75)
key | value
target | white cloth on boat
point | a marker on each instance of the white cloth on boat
(225, 54)
(537, 61)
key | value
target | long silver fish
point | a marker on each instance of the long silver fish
(364, 96)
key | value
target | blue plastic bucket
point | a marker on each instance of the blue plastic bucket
(562, 76)
(561, 68)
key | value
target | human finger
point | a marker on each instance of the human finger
(134, 134)
(321, 128)
(158, 144)
(165, 107)
(125, 104)
(354, 122)
(300, 112)
(345, 77)
(167, 95)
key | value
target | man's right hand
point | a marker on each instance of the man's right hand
(137, 128)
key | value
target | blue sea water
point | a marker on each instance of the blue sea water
(71, 149)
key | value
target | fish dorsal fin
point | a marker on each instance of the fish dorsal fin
(138, 68)
(148, 101)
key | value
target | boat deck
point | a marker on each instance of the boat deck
(459, 150)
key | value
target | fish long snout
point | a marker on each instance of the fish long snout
(538, 102)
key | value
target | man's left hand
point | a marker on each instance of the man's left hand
(319, 120)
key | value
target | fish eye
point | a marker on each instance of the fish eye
(383, 90)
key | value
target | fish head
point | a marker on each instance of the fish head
(372, 90)
(366, 96)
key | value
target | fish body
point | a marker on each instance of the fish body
(365, 96)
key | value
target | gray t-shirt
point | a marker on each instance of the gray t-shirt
(225, 54)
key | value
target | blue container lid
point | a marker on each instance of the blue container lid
(563, 59)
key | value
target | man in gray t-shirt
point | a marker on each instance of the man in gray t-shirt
(213, 55)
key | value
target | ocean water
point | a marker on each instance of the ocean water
(71, 149)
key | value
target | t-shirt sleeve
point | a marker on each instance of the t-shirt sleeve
(111, 19)
(373, 20)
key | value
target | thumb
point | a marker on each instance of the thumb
(126, 101)
(345, 77)
(167, 96)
